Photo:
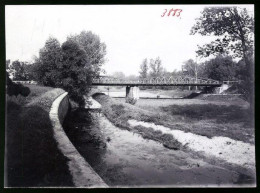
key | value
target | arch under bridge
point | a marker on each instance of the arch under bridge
(132, 86)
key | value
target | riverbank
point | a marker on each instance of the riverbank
(205, 121)
(32, 157)
(210, 119)
(125, 159)
(119, 114)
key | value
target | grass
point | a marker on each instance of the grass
(177, 93)
(35, 91)
(205, 118)
(119, 113)
(33, 157)
(224, 114)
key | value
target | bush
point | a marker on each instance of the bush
(130, 100)
(14, 89)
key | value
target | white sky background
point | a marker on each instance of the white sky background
(131, 32)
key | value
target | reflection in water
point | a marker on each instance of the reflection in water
(124, 158)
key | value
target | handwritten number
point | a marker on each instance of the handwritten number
(178, 11)
(164, 13)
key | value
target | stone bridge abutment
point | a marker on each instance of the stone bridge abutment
(132, 92)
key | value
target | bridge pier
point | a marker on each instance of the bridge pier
(222, 88)
(132, 92)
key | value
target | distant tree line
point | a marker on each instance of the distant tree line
(72, 65)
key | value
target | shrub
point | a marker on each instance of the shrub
(14, 89)
(130, 100)
(118, 109)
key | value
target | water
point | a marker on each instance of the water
(143, 94)
(123, 158)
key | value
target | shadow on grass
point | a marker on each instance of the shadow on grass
(33, 157)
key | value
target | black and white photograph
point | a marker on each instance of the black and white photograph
(130, 96)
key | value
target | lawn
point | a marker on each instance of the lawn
(175, 93)
(35, 91)
(33, 157)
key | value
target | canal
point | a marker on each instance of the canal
(124, 158)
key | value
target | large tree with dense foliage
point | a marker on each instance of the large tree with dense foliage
(72, 65)
(235, 28)
(75, 71)
(46, 66)
(221, 68)
(94, 48)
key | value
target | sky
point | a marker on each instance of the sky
(130, 32)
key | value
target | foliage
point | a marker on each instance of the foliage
(144, 69)
(94, 48)
(14, 89)
(19, 70)
(221, 68)
(76, 72)
(192, 68)
(46, 99)
(156, 67)
(119, 114)
(130, 100)
(46, 66)
(235, 28)
(72, 65)
(36, 91)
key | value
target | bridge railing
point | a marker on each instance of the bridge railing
(158, 80)
(232, 81)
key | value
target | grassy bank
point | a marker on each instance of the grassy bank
(33, 157)
(204, 119)
(119, 113)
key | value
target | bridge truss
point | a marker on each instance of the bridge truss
(159, 81)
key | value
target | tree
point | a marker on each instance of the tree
(190, 68)
(46, 66)
(19, 70)
(144, 69)
(221, 68)
(156, 67)
(14, 89)
(94, 48)
(74, 73)
(235, 27)
(69, 66)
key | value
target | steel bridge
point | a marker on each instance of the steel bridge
(159, 81)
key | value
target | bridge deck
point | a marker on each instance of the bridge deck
(158, 81)
(156, 84)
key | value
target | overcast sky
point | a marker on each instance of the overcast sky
(131, 32)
